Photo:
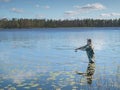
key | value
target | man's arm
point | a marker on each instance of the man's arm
(81, 48)
(78, 48)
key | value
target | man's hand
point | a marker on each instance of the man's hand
(76, 50)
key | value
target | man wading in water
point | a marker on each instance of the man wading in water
(89, 50)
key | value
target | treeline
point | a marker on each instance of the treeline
(42, 23)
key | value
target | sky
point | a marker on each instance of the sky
(60, 9)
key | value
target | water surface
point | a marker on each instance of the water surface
(44, 59)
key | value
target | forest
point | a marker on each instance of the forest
(50, 23)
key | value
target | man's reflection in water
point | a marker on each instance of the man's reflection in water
(89, 73)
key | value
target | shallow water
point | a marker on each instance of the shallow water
(44, 59)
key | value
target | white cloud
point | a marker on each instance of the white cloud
(85, 9)
(40, 16)
(105, 15)
(5, 0)
(94, 6)
(76, 6)
(115, 14)
(71, 13)
(37, 6)
(110, 14)
(46, 7)
(3, 17)
(16, 10)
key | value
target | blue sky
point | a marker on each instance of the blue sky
(60, 9)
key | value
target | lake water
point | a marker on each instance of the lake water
(44, 59)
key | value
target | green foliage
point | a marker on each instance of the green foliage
(42, 23)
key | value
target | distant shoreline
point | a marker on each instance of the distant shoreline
(66, 28)
(43, 23)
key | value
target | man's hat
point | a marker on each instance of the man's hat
(89, 40)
